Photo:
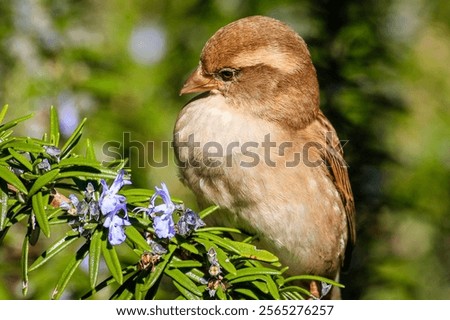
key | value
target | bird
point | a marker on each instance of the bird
(255, 142)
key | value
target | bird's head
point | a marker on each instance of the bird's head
(261, 65)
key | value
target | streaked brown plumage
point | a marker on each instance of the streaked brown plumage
(260, 96)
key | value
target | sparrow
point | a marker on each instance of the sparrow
(255, 143)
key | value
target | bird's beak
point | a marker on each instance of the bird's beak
(198, 82)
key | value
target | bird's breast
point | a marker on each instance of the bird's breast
(221, 151)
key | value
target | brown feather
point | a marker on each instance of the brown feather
(338, 170)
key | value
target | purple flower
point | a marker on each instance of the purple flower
(116, 234)
(164, 226)
(52, 151)
(110, 204)
(188, 222)
(162, 214)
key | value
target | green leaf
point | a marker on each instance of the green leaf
(90, 151)
(247, 292)
(126, 294)
(252, 272)
(221, 294)
(34, 233)
(24, 265)
(139, 294)
(3, 112)
(112, 260)
(5, 137)
(134, 235)
(81, 162)
(189, 295)
(196, 275)
(137, 195)
(206, 212)
(295, 289)
(43, 180)
(95, 249)
(141, 222)
(72, 265)
(12, 179)
(220, 241)
(243, 249)
(250, 251)
(219, 230)
(262, 282)
(54, 249)
(127, 290)
(224, 260)
(250, 278)
(14, 122)
(221, 255)
(22, 160)
(24, 146)
(3, 209)
(54, 126)
(107, 282)
(183, 280)
(189, 247)
(87, 175)
(73, 140)
(138, 192)
(273, 288)
(315, 278)
(37, 202)
(185, 264)
(261, 285)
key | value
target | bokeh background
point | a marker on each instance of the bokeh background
(384, 72)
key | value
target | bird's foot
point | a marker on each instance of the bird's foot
(314, 290)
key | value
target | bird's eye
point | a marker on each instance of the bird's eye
(227, 74)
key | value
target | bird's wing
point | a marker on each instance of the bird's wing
(337, 167)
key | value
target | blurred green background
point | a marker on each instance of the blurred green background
(384, 72)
